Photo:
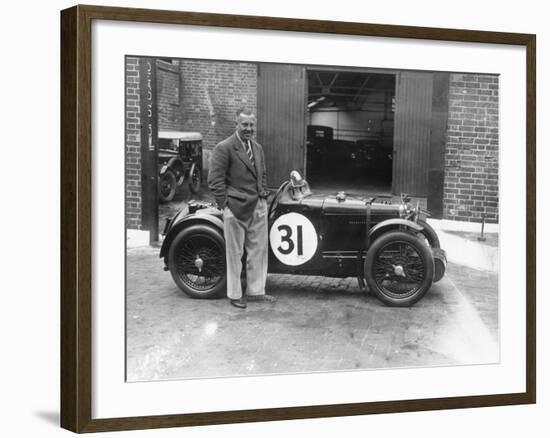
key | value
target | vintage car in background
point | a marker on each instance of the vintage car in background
(388, 246)
(326, 155)
(179, 160)
(369, 154)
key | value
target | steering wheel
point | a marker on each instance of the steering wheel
(278, 194)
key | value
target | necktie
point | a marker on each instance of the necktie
(249, 153)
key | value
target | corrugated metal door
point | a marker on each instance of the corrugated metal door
(281, 119)
(411, 153)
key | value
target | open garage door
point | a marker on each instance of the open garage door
(350, 130)
(281, 119)
(411, 153)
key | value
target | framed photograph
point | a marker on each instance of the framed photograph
(268, 219)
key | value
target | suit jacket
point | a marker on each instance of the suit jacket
(233, 180)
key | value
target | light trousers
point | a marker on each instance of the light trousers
(252, 235)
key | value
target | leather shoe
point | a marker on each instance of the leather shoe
(238, 303)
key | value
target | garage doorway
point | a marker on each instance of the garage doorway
(350, 130)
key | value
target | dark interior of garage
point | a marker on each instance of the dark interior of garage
(350, 130)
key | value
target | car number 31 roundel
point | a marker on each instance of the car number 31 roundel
(293, 239)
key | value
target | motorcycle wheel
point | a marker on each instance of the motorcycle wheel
(196, 260)
(167, 186)
(399, 268)
(195, 179)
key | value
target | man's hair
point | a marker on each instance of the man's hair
(245, 112)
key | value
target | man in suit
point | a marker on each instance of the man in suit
(237, 179)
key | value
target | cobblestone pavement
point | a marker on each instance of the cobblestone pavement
(317, 324)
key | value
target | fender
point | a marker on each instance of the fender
(170, 163)
(192, 219)
(390, 224)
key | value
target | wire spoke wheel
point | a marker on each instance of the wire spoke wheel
(197, 261)
(399, 268)
(200, 263)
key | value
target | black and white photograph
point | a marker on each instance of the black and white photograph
(275, 219)
(293, 218)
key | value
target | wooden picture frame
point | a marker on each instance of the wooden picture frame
(76, 218)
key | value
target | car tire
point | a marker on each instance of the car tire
(195, 179)
(394, 258)
(196, 260)
(167, 186)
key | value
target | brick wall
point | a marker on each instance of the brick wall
(170, 114)
(211, 92)
(133, 145)
(199, 96)
(471, 155)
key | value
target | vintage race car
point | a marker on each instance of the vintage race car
(179, 160)
(388, 246)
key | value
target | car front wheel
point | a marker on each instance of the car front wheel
(399, 268)
(167, 186)
(196, 260)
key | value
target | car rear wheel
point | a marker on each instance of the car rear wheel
(167, 186)
(399, 268)
(194, 179)
(196, 260)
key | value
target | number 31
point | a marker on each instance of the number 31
(288, 239)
